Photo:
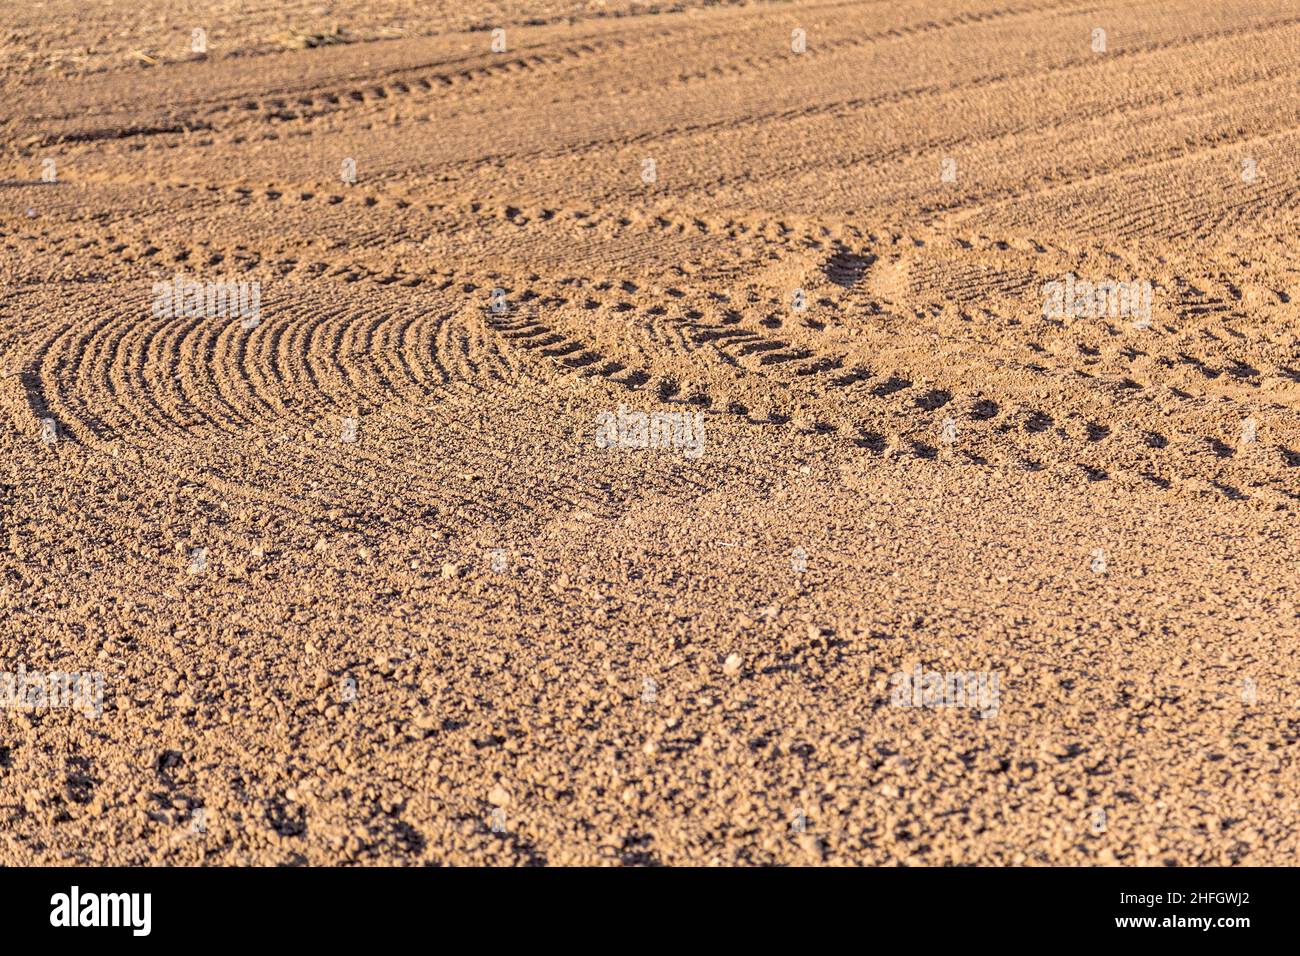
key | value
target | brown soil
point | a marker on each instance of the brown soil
(472, 634)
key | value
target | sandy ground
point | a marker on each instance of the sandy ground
(368, 575)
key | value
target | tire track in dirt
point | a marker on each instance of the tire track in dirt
(906, 415)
